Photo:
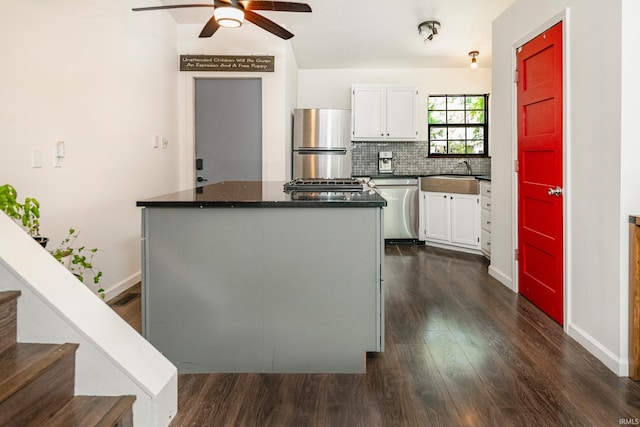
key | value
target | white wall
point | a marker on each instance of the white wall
(249, 40)
(597, 201)
(104, 80)
(331, 88)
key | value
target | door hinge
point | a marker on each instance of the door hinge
(516, 255)
(516, 76)
(516, 165)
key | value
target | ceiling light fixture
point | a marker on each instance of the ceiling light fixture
(228, 16)
(474, 61)
(428, 29)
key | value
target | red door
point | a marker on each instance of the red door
(540, 230)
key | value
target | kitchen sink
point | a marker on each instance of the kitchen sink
(459, 184)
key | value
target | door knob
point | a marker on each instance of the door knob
(200, 178)
(555, 191)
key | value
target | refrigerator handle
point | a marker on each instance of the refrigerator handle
(305, 150)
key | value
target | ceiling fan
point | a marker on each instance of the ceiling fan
(231, 13)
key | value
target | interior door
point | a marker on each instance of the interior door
(228, 130)
(540, 178)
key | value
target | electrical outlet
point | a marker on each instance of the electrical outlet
(165, 142)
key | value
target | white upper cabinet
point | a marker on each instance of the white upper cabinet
(368, 112)
(384, 112)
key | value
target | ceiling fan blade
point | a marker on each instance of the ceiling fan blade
(209, 28)
(267, 24)
(279, 6)
(174, 6)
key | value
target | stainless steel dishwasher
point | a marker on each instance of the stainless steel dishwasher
(401, 212)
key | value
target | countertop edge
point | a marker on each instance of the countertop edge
(256, 205)
(374, 177)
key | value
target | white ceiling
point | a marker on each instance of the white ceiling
(377, 33)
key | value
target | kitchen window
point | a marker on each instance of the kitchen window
(458, 125)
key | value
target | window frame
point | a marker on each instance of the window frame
(447, 125)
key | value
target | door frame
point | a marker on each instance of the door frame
(187, 102)
(563, 17)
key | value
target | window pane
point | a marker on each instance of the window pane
(475, 102)
(456, 133)
(456, 147)
(475, 134)
(455, 103)
(476, 116)
(439, 147)
(455, 117)
(437, 103)
(475, 147)
(437, 117)
(438, 133)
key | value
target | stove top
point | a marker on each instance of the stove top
(315, 185)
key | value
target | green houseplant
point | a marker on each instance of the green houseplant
(78, 259)
(27, 213)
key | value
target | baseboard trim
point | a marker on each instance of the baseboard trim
(500, 277)
(618, 366)
(122, 286)
(453, 248)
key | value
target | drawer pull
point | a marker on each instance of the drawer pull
(488, 204)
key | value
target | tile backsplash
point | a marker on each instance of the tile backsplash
(410, 158)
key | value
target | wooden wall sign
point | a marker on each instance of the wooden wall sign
(249, 63)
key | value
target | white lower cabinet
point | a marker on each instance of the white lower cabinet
(485, 217)
(451, 219)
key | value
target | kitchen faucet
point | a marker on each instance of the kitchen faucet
(469, 172)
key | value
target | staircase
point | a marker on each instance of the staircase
(37, 383)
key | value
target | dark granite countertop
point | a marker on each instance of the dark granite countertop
(261, 194)
(390, 176)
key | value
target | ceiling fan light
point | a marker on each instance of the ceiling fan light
(228, 16)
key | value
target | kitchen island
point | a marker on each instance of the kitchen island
(245, 277)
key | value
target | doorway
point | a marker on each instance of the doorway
(540, 172)
(228, 130)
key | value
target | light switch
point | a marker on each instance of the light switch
(60, 149)
(59, 152)
(36, 157)
(155, 141)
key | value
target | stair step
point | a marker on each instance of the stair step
(35, 379)
(98, 411)
(8, 310)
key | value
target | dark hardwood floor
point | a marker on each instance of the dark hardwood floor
(461, 350)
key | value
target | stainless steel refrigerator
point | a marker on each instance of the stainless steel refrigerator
(321, 143)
